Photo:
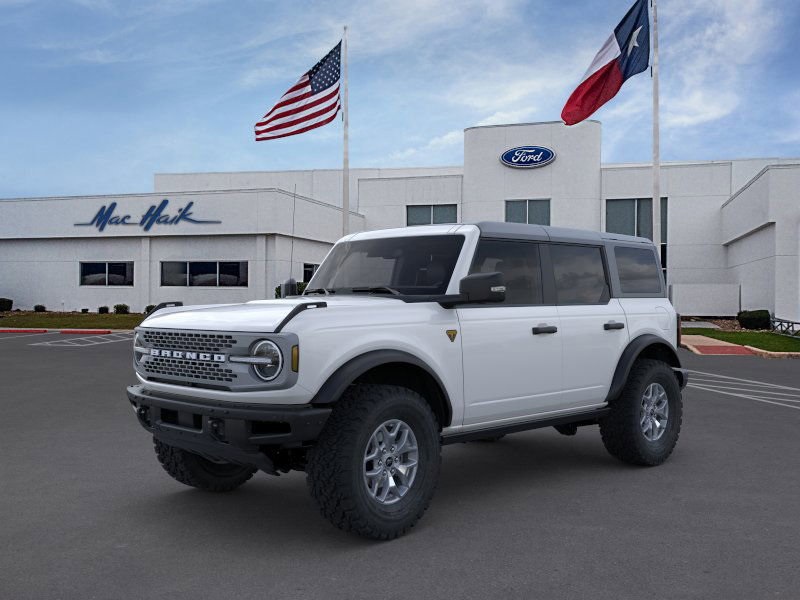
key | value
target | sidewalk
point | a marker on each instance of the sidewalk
(700, 344)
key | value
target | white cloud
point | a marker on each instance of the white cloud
(707, 49)
(451, 139)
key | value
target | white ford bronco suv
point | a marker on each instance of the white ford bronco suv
(408, 339)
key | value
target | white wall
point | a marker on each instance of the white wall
(324, 185)
(383, 201)
(760, 234)
(571, 181)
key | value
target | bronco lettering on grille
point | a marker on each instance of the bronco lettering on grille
(204, 356)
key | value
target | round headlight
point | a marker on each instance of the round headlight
(138, 342)
(269, 368)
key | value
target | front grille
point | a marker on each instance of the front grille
(180, 340)
(187, 369)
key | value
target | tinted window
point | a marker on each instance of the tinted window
(233, 274)
(93, 273)
(427, 214)
(519, 264)
(579, 274)
(411, 265)
(173, 273)
(638, 271)
(533, 212)
(444, 213)
(418, 215)
(203, 273)
(120, 273)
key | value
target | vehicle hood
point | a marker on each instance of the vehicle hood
(259, 316)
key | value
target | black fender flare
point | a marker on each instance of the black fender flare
(633, 350)
(345, 375)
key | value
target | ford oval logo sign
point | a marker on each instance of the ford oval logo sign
(527, 157)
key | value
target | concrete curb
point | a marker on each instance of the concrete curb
(85, 331)
(770, 354)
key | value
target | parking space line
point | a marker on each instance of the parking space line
(743, 381)
(12, 337)
(745, 396)
(92, 340)
(739, 389)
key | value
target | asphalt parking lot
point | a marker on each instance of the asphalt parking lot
(87, 511)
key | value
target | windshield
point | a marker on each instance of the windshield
(418, 265)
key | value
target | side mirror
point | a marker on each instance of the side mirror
(289, 288)
(483, 287)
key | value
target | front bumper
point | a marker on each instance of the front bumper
(234, 432)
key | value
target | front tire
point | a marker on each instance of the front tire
(195, 471)
(375, 466)
(645, 420)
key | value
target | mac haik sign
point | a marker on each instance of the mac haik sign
(157, 215)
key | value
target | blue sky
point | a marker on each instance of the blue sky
(97, 95)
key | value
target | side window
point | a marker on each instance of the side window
(579, 274)
(638, 270)
(519, 264)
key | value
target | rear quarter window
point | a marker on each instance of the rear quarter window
(638, 270)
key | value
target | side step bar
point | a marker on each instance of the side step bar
(583, 418)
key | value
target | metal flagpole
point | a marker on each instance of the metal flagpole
(346, 157)
(656, 149)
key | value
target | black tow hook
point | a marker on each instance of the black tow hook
(143, 414)
(217, 428)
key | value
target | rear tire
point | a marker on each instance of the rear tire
(195, 471)
(382, 497)
(645, 420)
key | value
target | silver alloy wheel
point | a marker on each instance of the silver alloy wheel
(654, 413)
(390, 461)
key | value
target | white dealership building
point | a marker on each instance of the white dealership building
(730, 228)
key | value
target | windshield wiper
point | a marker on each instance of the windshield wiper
(324, 291)
(378, 289)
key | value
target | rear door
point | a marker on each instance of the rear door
(640, 287)
(511, 351)
(593, 325)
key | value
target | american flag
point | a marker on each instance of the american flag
(310, 103)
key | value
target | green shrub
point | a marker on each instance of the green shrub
(84, 310)
(149, 308)
(39, 308)
(754, 319)
(6, 304)
(103, 310)
(301, 287)
(122, 309)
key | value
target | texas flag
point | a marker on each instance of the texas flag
(625, 53)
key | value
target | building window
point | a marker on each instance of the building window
(533, 212)
(107, 273)
(431, 214)
(204, 273)
(308, 271)
(634, 216)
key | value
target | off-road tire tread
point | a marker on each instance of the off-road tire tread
(615, 431)
(328, 466)
(181, 466)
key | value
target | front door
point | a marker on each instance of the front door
(512, 351)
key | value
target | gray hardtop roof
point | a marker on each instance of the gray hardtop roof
(521, 231)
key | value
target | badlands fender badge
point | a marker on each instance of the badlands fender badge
(452, 333)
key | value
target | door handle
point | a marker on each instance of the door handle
(613, 325)
(544, 329)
